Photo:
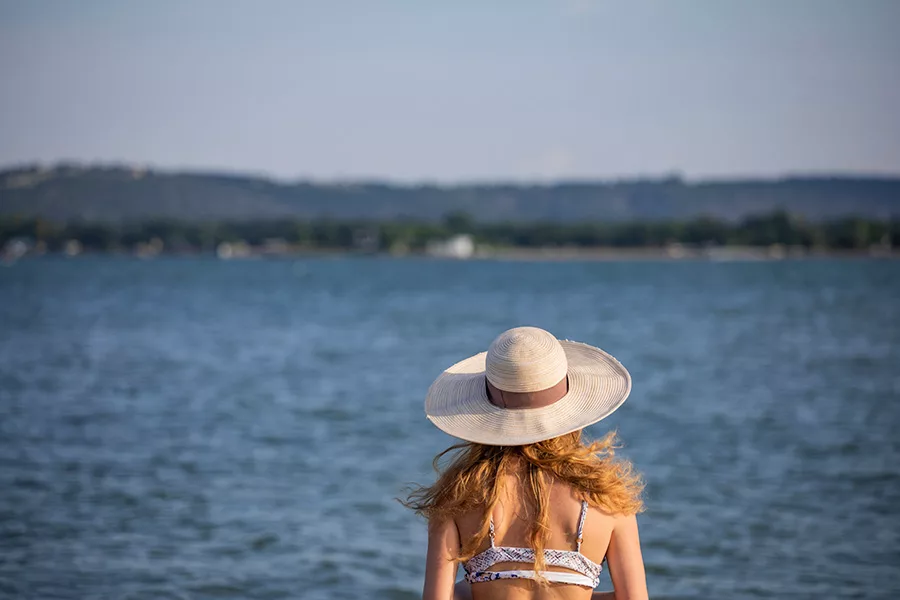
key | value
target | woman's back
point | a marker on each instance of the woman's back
(513, 518)
(524, 504)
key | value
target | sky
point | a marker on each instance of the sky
(455, 91)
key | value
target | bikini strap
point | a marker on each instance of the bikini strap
(579, 537)
(492, 531)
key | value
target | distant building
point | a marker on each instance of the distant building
(275, 247)
(676, 250)
(16, 248)
(149, 249)
(73, 248)
(227, 250)
(459, 246)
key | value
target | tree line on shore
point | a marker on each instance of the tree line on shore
(132, 193)
(413, 236)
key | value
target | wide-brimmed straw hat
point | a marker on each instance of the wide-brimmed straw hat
(531, 366)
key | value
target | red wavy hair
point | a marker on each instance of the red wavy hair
(471, 481)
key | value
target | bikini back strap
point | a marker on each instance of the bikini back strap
(492, 531)
(579, 536)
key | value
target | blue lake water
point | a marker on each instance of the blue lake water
(189, 428)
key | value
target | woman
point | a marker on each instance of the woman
(524, 505)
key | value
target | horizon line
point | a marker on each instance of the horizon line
(673, 175)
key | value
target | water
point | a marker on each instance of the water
(187, 428)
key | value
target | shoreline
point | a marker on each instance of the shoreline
(713, 254)
(599, 254)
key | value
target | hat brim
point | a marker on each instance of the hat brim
(457, 402)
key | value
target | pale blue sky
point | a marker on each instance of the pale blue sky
(452, 91)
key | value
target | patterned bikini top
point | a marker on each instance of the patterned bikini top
(587, 572)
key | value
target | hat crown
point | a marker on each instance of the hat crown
(525, 359)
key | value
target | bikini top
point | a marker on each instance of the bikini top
(587, 572)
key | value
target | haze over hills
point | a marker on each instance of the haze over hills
(122, 193)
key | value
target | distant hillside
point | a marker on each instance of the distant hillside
(65, 193)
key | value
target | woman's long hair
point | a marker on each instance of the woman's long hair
(472, 481)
